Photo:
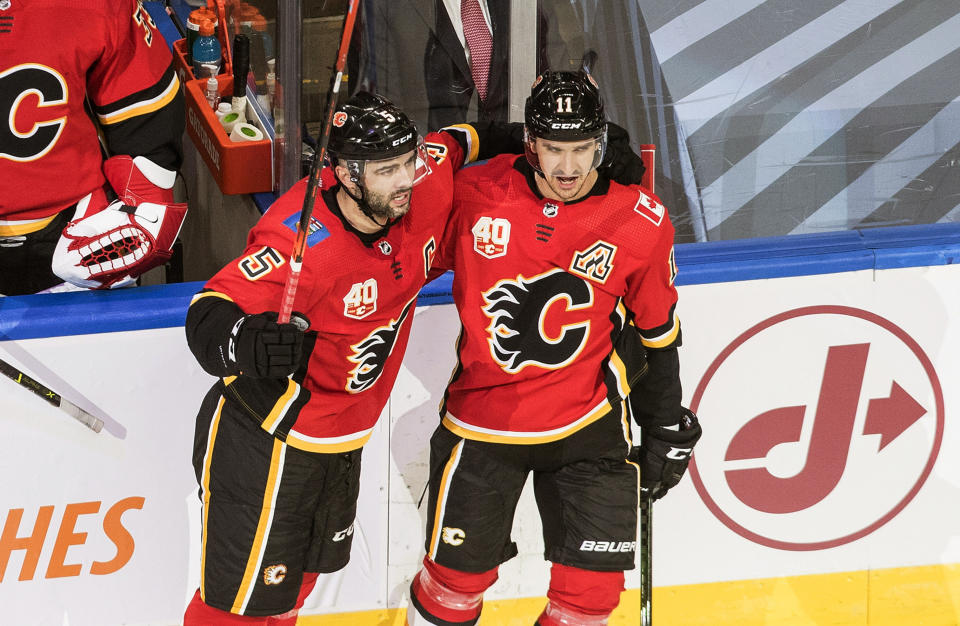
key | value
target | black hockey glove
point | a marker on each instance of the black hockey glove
(663, 454)
(620, 163)
(262, 348)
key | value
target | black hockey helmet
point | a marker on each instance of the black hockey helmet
(369, 127)
(564, 106)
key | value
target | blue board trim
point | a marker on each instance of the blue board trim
(165, 25)
(164, 306)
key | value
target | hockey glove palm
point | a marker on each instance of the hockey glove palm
(262, 348)
(620, 163)
(664, 454)
(109, 245)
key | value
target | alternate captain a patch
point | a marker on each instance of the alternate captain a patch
(594, 263)
(316, 232)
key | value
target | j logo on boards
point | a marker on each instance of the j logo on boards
(830, 419)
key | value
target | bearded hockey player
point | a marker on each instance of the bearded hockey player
(65, 213)
(563, 281)
(277, 457)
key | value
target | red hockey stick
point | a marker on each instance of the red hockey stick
(313, 181)
(648, 152)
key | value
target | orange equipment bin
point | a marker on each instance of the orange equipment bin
(238, 167)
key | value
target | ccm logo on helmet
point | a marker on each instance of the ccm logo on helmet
(589, 545)
(565, 125)
(397, 142)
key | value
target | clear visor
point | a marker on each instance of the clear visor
(418, 165)
(534, 159)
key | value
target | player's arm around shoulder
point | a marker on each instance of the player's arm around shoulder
(479, 141)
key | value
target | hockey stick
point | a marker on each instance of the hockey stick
(313, 186)
(647, 154)
(71, 409)
(646, 560)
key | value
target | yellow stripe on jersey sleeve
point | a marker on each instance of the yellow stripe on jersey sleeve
(15, 229)
(472, 138)
(664, 339)
(211, 294)
(143, 107)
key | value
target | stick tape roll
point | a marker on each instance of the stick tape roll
(245, 132)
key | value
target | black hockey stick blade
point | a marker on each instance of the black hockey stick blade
(93, 423)
(646, 560)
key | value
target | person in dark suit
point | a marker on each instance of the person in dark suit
(449, 82)
(396, 35)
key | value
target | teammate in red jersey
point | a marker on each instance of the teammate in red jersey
(278, 458)
(56, 221)
(564, 284)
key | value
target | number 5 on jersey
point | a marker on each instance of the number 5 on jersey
(491, 236)
(361, 301)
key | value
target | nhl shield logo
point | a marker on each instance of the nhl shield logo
(4, 5)
(385, 247)
(550, 209)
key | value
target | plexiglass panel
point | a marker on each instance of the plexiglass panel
(779, 117)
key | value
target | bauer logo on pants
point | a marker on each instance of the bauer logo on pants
(851, 405)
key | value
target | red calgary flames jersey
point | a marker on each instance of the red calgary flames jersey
(359, 299)
(544, 290)
(53, 55)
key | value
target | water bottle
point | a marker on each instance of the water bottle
(206, 52)
(193, 28)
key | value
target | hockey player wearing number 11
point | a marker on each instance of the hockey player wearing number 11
(563, 281)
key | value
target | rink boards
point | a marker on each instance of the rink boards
(825, 488)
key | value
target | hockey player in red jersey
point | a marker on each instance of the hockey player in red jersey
(58, 219)
(564, 284)
(278, 458)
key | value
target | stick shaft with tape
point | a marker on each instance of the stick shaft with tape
(71, 409)
(313, 180)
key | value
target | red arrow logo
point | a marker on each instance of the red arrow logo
(826, 457)
(889, 417)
